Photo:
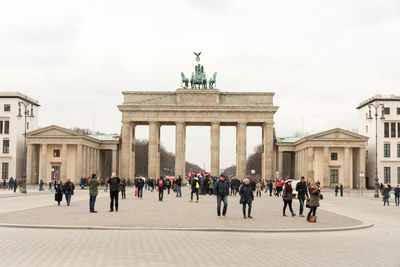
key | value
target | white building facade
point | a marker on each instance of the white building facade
(388, 132)
(12, 132)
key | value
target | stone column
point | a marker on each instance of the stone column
(241, 150)
(125, 150)
(180, 138)
(310, 163)
(347, 167)
(215, 146)
(114, 161)
(87, 161)
(43, 163)
(132, 173)
(280, 163)
(158, 152)
(267, 168)
(64, 152)
(29, 160)
(153, 149)
(78, 167)
(361, 167)
(326, 178)
(84, 159)
(97, 161)
(93, 161)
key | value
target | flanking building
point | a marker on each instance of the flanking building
(12, 131)
(388, 137)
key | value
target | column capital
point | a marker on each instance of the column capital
(216, 123)
(241, 123)
(180, 122)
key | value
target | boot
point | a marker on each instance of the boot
(284, 215)
(197, 201)
(191, 200)
(249, 216)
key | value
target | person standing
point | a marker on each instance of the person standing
(50, 186)
(221, 190)
(58, 188)
(315, 191)
(15, 185)
(195, 189)
(397, 195)
(122, 188)
(168, 185)
(41, 185)
(385, 195)
(336, 190)
(341, 190)
(114, 182)
(139, 187)
(210, 185)
(301, 188)
(161, 185)
(246, 197)
(270, 187)
(179, 186)
(93, 192)
(68, 189)
(258, 189)
(287, 197)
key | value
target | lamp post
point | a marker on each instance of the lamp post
(25, 107)
(376, 106)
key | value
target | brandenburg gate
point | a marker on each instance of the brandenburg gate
(196, 106)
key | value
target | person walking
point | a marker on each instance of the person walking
(161, 186)
(385, 195)
(139, 187)
(114, 182)
(122, 188)
(93, 184)
(397, 195)
(341, 190)
(258, 189)
(246, 198)
(270, 186)
(50, 186)
(41, 183)
(301, 188)
(336, 190)
(195, 189)
(15, 185)
(315, 190)
(221, 190)
(210, 185)
(58, 188)
(179, 186)
(287, 196)
(168, 185)
(68, 190)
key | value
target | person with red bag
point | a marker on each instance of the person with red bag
(315, 193)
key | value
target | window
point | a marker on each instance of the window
(366, 154)
(398, 175)
(4, 170)
(6, 127)
(56, 153)
(6, 146)
(386, 111)
(398, 111)
(7, 107)
(386, 150)
(398, 129)
(1, 127)
(386, 174)
(366, 129)
(334, 176)
(398, 150)
(386, 129)
(392, 129)
(27, 126)
(334, 156)
(55, 173)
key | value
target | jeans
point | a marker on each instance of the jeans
(140, 192)
(114, 198)
(397, 198)
(179, 191)
(160, 194)
(151, 189)
(301, 203)
(244, 208)
(123, 196)
(258, 193)
(68, 197)
(286, 202)
(313, 210)
(225, 200)
(385, 200)
(195, 191)
(92, 200)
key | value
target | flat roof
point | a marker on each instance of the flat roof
(378, 98)
(289, 139)
(6, 94)
(105, 137)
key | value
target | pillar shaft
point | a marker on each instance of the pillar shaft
(153, 149)
(267, 168)
(29, 160)
(43, 162)
(125, 150)
(132, 172)
(326, 178)
(180, 162)
(361, 163)
(310, 163)
(346, 172)
(114, 161)
(78, 168)
(215, 148)
(64, 152)
(241, 150)
(280, 163)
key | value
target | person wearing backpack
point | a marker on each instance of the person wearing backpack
(195, 189)
(168, 185)
(161, 185)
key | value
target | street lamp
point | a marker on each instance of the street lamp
(26, 107)
(376, 106)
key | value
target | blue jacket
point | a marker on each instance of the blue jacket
(221, 188)
(246, 193)
(397, 191)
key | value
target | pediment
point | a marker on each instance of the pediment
(335, 134)
(52, 131)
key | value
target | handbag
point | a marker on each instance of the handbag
(136, 192)
(308, 203)
(313, 219)
(321, 196)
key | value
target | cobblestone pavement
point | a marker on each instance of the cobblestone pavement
(375, 246)
(172, 213)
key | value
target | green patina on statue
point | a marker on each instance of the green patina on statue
(198, 79)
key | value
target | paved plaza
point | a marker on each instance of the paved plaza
(375, 246)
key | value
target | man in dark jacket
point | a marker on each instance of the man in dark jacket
(114, 182)
(139, 186)
(246, 197)
(221, 190)
(341, 190)
(179, 186)
(161, 186)
(68, 190)
(93, 191)
(301, 188)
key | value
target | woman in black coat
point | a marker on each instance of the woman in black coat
(58, 189)
(246, 197)
(287, 198)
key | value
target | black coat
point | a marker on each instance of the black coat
(58, 192)
(246, 193)
(301, 189)
(140, 183)
(221, 188)
(68, 187)
(114, 184)
(195, 183)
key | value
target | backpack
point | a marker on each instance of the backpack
(168, 183)
(160, 183)
(197, 185)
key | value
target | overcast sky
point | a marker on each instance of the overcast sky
(321, 58)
